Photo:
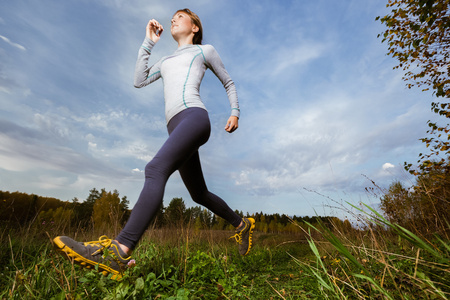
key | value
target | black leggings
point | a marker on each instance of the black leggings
(188, 130)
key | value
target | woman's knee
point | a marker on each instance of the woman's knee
(155, 168)
(201, 197)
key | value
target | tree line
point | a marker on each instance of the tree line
(100, 208)
(104, 209)
(417, 34)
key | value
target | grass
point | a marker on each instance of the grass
(384, 261)
(381, 261)
(199, 265)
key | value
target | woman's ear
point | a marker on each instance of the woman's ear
(195, 28)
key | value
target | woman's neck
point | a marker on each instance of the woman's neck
(188, 40)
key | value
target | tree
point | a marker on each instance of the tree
(198, 224)
(273, 226)
(159, 217)
(418, 36)
(220, 224)
(398, 205)
(107, 211)
(60, 217)
(175, 212)
(205, 217)
(262, 222)
(124, 209)
(423, 208)
(191, 214)
(213, 220)
(83, 211)
(21, 209)
(432, 193)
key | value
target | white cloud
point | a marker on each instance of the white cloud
(388, 166)
(107, 122)
(320, 102)
(92, 146)
(51, 125)
(49, 182)
(295, 57)
(18, 46)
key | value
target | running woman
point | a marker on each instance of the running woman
(188, 127)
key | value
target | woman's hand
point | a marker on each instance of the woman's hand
(154, 30)
(232, 124)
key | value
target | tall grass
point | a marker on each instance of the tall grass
(176, 262)
(384, 261)
(381, 260)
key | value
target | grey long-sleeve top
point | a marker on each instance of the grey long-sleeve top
(182, 73)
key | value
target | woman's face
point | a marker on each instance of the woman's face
(182, 25)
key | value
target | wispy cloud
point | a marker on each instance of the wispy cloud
(18, 46)
(320, 102)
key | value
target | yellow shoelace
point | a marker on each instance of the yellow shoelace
(102, 241)
(237, 237)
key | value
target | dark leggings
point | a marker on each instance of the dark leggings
(188, 130)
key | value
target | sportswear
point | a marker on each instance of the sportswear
(244, 234)
(188, 130)
(182, 73)
(104, 253)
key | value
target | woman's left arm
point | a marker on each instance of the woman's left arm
(216, 65)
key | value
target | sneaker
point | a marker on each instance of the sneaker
(104, 253)
(243, 235)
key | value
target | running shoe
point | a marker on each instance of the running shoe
(243, 235)
(104, 253)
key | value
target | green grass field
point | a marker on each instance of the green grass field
(181, 263)
(171, 264)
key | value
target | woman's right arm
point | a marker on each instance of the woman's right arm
(144, 75)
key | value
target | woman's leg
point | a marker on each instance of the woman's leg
(187, 132)
(192, 175)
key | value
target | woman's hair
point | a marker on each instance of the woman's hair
(196, 21)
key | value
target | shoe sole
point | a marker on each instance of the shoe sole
(84, 262)
(250, 234)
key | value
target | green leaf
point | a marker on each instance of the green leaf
(375, 285)
(139, 284)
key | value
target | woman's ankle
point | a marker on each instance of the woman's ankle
(124, 248)
(242, 223)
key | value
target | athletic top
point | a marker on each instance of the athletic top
(182, 73)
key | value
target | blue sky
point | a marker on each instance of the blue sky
(322, 111)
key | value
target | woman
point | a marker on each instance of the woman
(188, 126)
